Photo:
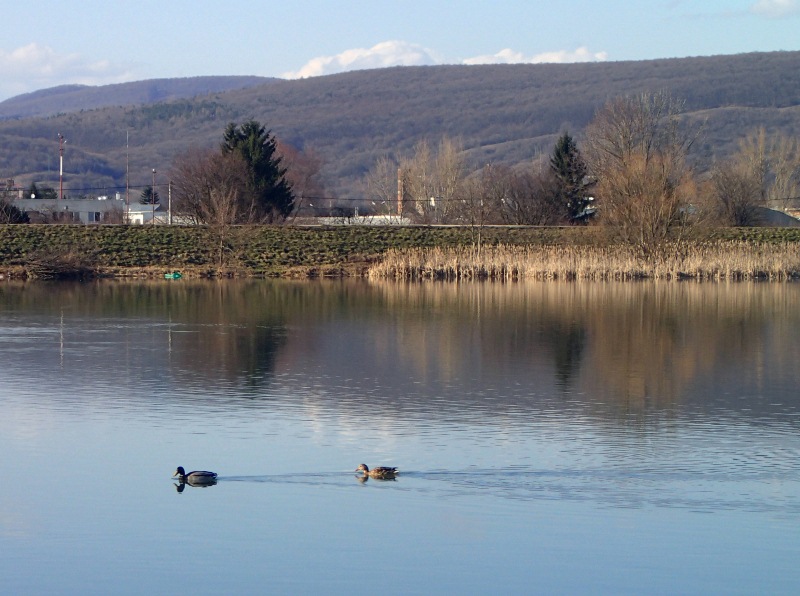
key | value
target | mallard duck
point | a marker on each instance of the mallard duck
(198, 477)
(379, 472)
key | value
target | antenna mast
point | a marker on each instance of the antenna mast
(127, 183)
(61, 141)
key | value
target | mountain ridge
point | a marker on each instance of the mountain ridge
(71, 98)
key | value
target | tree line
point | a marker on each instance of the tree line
(632, 173)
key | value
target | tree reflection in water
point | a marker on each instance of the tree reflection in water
(500, 348)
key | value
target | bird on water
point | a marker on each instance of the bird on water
(198, 477)
(378, 472)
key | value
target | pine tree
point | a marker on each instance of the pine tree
(571, 175)
(272, 194)
(149, 196)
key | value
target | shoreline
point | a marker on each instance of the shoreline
(402, 253)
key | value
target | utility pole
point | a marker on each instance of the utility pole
(153, 196)
(399, 192)
(61, 142)
(127, 183)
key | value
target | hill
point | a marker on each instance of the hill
(72, 98)
(503, 113)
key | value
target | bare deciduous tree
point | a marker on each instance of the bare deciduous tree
(784, 159)
(636, 148)
(483, 196)
(10, 214)
(476, 203)
(432, 181)
(380, 185)
(534, 198)
(205, 183)
(499, 194)
(302, 173)
(736, 193)
(218, 213)
(418, 183)
(764, 172)
(115, 215)
(449, 174)
(752, 159)
(211, 189)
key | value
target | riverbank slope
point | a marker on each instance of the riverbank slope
(54, 251)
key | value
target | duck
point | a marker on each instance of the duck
(378, 472)
(196, 478)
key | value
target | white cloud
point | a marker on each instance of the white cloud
(509, 56)
(35, 66)
(385, 54)
(776, 8)
(401, 53)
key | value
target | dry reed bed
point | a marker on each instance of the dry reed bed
(723, 260)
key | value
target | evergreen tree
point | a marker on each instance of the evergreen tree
(272, 194)
(149, 196)
(40, 192)
(571, 175)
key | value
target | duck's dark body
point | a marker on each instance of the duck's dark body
(198, 477)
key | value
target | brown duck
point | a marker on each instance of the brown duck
(379, 472)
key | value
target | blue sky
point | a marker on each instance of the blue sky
(47, 43)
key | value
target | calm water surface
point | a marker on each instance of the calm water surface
(553, 438)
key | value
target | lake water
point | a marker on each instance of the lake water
(552, 438)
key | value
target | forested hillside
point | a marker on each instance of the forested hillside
(72, 98)
(502, 113)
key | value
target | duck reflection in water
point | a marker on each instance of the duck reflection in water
(379, 473)
(198, 478)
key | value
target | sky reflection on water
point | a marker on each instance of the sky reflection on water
(637, 438)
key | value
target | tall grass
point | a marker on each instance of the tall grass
(721, 260)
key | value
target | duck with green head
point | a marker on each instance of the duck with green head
(196, 478)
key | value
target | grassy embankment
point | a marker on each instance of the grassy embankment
(42, 251)
(38, 251)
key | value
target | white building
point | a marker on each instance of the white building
(90, 211)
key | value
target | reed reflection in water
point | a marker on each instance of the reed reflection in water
(528, 420)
